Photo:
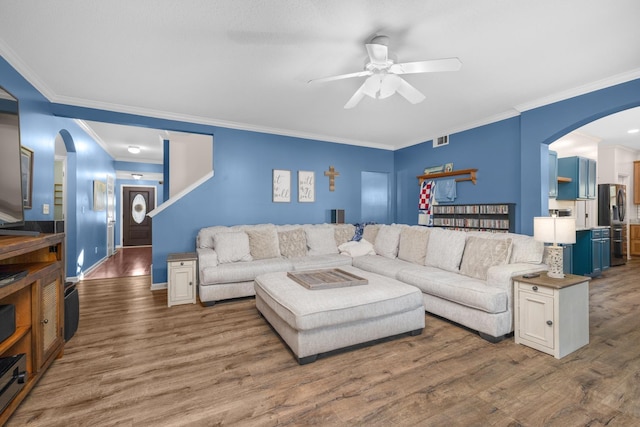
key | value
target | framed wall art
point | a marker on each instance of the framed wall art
(26, 163)
(99, 195)
(306, 186)
(281, 186)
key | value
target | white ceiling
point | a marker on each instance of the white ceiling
(245, 64)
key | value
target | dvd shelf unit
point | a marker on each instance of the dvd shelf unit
(498, 217)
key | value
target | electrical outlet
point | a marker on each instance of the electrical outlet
(45, 209)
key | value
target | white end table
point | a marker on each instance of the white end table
(552, 315)
(181, 274)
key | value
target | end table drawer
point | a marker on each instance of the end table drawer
(535, 288)
(182, 263)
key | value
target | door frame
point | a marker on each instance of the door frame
(121, 207)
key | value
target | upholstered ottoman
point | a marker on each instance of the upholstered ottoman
(320, 320)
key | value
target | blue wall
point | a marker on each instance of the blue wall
(493, 149)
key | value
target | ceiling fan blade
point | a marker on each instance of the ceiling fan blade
(356, 98)
(341, 76)
(372, 85)
(389, 85)
(410, 93)
(377, 53)
(432, 66)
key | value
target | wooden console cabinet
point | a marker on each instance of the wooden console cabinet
(39, 305)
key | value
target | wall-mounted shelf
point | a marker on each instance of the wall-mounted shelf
(495, 217)
(470, 172)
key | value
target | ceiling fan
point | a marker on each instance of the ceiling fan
(383, 74)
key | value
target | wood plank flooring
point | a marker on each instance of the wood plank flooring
(126, 262)
(135, 362)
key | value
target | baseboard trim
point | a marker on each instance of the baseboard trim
(158, 286)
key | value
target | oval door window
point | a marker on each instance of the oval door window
(138, 209)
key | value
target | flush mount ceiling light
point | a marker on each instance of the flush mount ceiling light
(633, 131)
(136, 175)
(133, 149)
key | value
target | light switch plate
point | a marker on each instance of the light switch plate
(45, 209)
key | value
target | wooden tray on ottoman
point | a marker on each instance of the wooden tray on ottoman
(326, 279)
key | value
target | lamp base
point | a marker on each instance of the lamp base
(555, 260)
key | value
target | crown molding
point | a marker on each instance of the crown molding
(25, 71)
(580, 90)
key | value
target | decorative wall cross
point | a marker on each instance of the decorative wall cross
(331, 173)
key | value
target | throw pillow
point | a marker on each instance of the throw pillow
(354, 249)
(480, 254)
(321, 240)
(413, 244)
(344, 233)
(387, 241)
(232, 247)
(293, 243)
(263, 243)
(445, 248)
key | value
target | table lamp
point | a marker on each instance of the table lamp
(552, 229)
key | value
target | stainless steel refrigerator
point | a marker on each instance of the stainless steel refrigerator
(612, 201)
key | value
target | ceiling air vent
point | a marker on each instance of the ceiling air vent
(440, 141)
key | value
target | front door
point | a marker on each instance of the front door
(136, 225)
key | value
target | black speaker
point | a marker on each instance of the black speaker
(337, 216)
(7, 321)
(71, 311)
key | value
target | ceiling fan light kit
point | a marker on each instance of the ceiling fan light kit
(382, 74)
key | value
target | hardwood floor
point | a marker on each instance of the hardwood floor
(126, 262)
(135, 362)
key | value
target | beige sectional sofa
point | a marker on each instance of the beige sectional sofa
(465, 277)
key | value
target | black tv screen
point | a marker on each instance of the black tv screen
(11, 196)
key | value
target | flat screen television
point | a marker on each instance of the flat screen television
(11, 196)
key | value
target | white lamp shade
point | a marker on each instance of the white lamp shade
(554, 230)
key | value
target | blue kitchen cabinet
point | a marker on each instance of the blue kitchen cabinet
(567, 259)
(591, 254)
(553, 174)
(582, 172)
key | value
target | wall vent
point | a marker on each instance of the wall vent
(440, 141)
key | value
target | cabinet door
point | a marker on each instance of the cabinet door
(636, 182)
(553, 174)
(181, 286)
(592, 189)
(536, 311)
(596, 257)
(50, 322)
(567, 259)
(605, 251)
(583, 177)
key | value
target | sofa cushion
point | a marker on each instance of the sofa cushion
(378, 264)
(480, 254)
(232, 246)
(370, 232)
(445, 248)
(321, 240)
(387, 241)
(457, 288)
(236, 272)
(263, 242)
(293, 243)
(526, 249)
(205, 235)
(413, 244)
